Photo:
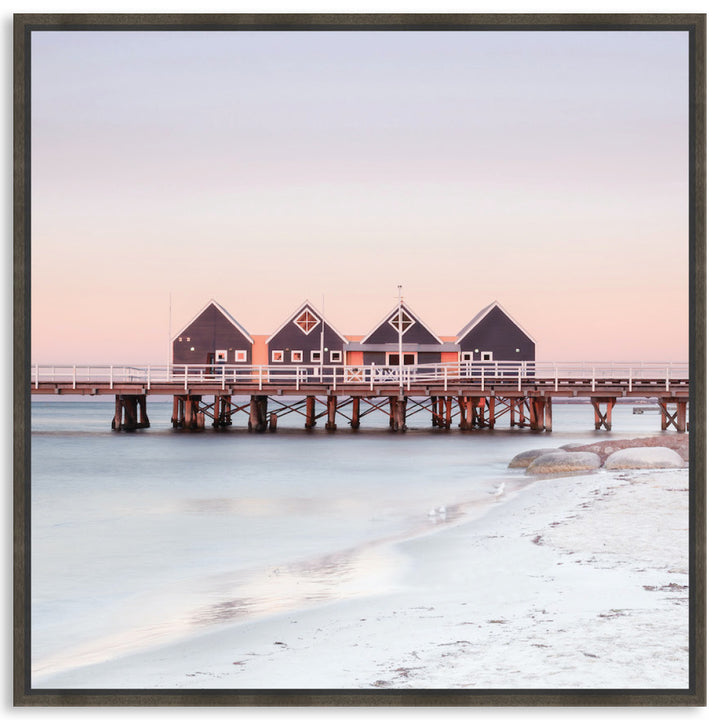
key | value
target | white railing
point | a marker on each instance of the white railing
(553, 374)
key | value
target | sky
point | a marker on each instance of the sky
(544, 170)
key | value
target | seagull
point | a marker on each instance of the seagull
(438, 511)
(499, 490)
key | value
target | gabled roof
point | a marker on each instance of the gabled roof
(406, 307)
(310, 306)
(481, 316)
(222, 311)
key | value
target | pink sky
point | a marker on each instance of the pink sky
(547, 171)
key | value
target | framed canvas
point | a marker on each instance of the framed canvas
(359, 359)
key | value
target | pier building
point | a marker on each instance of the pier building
(487, 372)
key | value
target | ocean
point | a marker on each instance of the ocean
(141, 539)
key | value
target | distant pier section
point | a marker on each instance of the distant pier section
(471, 395)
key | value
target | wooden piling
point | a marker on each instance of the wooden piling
(258, 413)
(434, 408)
(117, 420)
(398, 414)
(355, 421)
(480, 413)
(310, 420)
(331, 408)
(491, 412)
(273, 422)
(548, 414)
(603, 419)
(448, 412)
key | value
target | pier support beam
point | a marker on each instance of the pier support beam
(603, 419)
(331, 408)
(222, 411)
(466, 412)
(310, 420)
(130, 413)
(186, 412)
(398, 408)
(448, 413)
(258, 413)
(355, 422)
(678, 419)
(479, 414)
(538, 408)
(548, 414)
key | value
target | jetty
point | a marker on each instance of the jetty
(474, 395)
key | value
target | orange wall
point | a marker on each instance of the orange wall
(355, 357)
(449, 357)
(260, 350)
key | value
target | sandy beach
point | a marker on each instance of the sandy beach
(573, 582)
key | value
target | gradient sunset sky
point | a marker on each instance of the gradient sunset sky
(545, 170)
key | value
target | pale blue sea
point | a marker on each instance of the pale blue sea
(143, 538)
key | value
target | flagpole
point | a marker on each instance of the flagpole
(400, 333)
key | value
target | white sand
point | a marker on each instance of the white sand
(576, 582)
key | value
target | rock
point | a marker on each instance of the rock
(676, 441)
(523, 459)
(572, 445)
(564, 462)
(638, 458)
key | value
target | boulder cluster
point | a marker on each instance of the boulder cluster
(636, 454)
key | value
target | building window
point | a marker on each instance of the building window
(296, 355)
(221, 356)
(314, 356)
(401, 319)
(336, 356)
(394, 358)
(306, 321)
(278, 356)
(467, 356)
(486, 356)
(240, 356)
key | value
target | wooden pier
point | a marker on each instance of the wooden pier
(473, 395)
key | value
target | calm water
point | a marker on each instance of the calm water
(146, 537)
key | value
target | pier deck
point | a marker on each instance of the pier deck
(479, 393)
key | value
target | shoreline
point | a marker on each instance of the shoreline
(523, 596)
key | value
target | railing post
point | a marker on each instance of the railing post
(111, 377)
(148, 376)
(223, 377)
(186, 378)
(445, 373)
(37, 375)
(556, 376)
(260, 377)
(372, 375)
(297, 377)
(519, 378)
(334, 378)
(593, 379)
(630, 379)
(74, 376)
(482, 377)
(667, 379)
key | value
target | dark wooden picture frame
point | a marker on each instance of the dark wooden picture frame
(695, 26)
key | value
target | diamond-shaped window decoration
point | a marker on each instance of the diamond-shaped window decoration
(401, 318)
(306, 321)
